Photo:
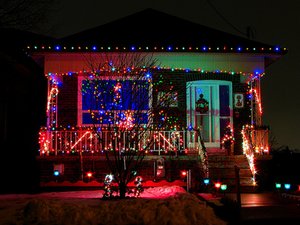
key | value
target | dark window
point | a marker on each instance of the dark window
(224, 100)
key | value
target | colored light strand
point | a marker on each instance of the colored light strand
(253, 91)
(248, 149)
(169, 48)
(186, 70)
(79, 140)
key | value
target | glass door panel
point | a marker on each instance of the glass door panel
(212, 119)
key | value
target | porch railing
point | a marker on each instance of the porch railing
(54, 142)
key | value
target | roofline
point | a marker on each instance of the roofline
(198, 49)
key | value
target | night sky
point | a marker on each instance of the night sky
(273, 22)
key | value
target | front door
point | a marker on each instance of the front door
(209, 108)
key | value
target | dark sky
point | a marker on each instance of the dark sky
(274, 22)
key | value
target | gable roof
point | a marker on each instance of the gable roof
(12, 56)
(154, 31)
(154, 28)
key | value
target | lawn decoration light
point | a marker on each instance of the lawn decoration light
(138, 186)
(107, 186)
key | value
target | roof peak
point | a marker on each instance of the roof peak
(155, 27)
(154, 30)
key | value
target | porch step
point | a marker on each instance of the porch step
(222, 168)
(215, 151)
(210, 152)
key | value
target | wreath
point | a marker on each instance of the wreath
(202, 105)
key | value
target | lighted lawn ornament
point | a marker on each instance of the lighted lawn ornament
(107, 186)
(138, 186)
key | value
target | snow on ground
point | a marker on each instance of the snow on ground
(157, 205)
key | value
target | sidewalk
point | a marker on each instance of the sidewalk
(256, 208)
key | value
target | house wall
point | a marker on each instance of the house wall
(67, 101)
(75, 62)
(178, 81)
(99, 167)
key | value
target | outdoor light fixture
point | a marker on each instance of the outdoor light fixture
(223, 187)
(206, 181)
(217, 185)
(56, 173)
(89, 174)
(287, 186)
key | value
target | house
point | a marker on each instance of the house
(193, 88)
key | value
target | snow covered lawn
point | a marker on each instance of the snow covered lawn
(156, 206)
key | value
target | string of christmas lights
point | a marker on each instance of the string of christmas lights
(248, 148)
(95, 48)
(96, 74)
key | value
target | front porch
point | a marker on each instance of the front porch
(75, 153)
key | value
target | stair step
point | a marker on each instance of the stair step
(222, 168)
(232, 182)
(215, 151)
(227, 165)
(227, 157)
(229, 173)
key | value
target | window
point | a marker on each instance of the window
(167, 99)
(110, 101)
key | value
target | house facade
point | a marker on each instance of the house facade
(188, 86)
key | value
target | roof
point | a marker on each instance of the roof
(11, 54)
(16, 39)
(154, 30)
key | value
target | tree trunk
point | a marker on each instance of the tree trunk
(122, 189)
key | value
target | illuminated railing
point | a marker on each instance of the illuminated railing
(256, 139)
(54, 142)
(255, 142)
